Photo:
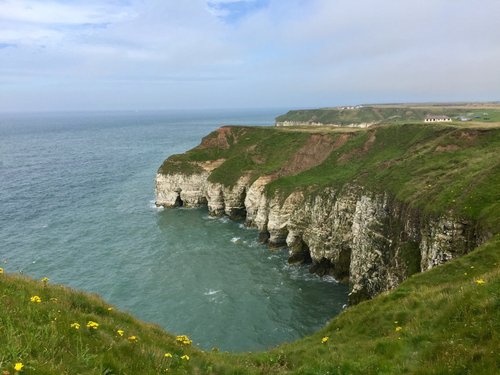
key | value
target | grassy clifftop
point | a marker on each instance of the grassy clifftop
(443, 321)
(435, 168)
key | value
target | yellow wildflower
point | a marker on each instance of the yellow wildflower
(1, 270)
(398, 328)
(110, 309)
(75, 325)
(132, 338)
(92, 325)
(480, 282)
(325, 339)
(185, 357)
(183, 339)
(120, 332)
(168, 355)
(44, 280)
(35, 299)
(18, 366)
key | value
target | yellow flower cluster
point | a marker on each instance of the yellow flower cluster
(325, 339)
(35, 299)
(132, 338)
(168, 355)
(183, 339)
(44, 280)
(75, 325)
(92, 325)
(1, 270)
(120, 332)
(18, 366)
(185, 357)
(398, 328)
(480, 282)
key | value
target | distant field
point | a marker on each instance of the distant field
(488, 113)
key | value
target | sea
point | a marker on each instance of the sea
(77, 206)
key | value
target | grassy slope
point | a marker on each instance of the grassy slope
(436, 168)
(449, 324)
(251, 149)
(41, 337)
(388, 114)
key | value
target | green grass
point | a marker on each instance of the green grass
(41, 337)
(449, 323)
(253, 150)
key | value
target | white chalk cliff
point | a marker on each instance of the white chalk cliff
(368, 239)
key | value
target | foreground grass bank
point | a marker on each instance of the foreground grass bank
(445, 321)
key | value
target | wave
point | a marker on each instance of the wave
(330, 279)
(211, 292)
(246, 227)
(153, 206)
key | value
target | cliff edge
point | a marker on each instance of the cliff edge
(368, 206)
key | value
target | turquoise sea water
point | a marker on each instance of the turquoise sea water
(77, 206)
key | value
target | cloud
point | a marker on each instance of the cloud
(233, 10)
(246, 53)
(43, 23)
(7, 45)
(61, 13)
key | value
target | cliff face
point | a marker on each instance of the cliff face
(370, 207)
(369, 239)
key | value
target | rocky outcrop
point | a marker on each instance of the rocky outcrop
(366, 238)
(192, 187)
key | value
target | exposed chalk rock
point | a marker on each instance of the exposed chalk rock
(368, 239)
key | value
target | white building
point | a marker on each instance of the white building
(437, 118)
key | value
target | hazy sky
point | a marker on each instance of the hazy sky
(176, 54)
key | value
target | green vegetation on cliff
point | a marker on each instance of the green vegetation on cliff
(250, 150)
(446, 320)
(436, 168)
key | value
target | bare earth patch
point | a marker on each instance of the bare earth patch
(220, 140)
(447, 148)
(317, 148)
(210, 165)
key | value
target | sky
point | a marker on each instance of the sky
(200, 54)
